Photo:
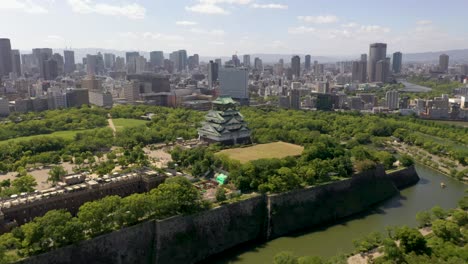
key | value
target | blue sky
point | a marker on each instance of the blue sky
(223, 27)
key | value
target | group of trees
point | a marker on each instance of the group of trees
(24, 182)
(57, 228)
(447, 243)
(438, 86)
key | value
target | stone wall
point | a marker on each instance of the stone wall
(405, 177)
(292, 211)
(130, 245)
(188, 239)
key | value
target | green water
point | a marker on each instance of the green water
(335, 239)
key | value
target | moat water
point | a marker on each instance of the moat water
(337, 238)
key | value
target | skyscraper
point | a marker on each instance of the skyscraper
(364, 57)
(296, 66)
(91, 64)
(157, 58)
(246, 61)
(16, 62)
(69, 61)
(359, 71)
(233, 82)
(179, 58)
(60, 63)
(212, 73)
(392, 99)
(382, 69)
(235, 60)
(396, 63)
(443, 62)
(307, 62)
(377, 52)
(258, 64)
(42, 56)
(109, 60)
(50, 69)
(5, 57)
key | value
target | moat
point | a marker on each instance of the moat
(330, 240)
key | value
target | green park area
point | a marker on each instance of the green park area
(121, 123)
(70, 134)
(264, 151)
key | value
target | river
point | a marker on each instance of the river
(337, 238)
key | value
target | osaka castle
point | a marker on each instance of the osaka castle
(224, 124)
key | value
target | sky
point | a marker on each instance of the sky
(226, 27)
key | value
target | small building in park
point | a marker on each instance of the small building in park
(224, 124)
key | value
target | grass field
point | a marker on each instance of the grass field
(70, 134)
(456, 123)
(263, 151)
(121, 123)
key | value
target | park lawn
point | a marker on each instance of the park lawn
(121, 123)
(263, 151)
(68, 134)
(456, 123)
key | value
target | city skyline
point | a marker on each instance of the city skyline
(224, 27)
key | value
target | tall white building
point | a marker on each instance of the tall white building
(234, 83)
(392, 99)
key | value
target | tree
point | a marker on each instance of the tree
(386, 159)
(285, 257)
(100, 216)
(411, 240)
(439, 212)
(392, 251)
(133, 209)
(24, 183)
(446, 230)
(406, 160)
(423, 218)
(55, 173)
(220, 194)
(460, 217)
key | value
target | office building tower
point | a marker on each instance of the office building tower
(359, 71)
(129, 55)
(296, 66)
(109, 60)
(179, 58)
(16, 62)
(69, 61)
(295, 99)
(193, 61)
(140, 64)
(91, 64)
(76, 97)
(119, 64)
(235, 60)
(213, 68)
(377, 52)
(157, 58)
(258, 64)
(4, 107)
(246, 61)
(219, 62)
(464, 69)
(443, 62)
(196, 60)
(6, 65)
(233, 82)
(50, 69)
(41, 57)
(28, 64)
(382, 69)
(364, 57)
(396, 62)
(392, 100)
(307, 62)
(60, 63)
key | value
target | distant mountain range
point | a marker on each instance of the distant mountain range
(457, 56)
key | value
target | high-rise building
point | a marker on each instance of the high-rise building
(382, 70)
(359, 71)
(41, 57)
(233, 83)
(235, 60)
(4, 107)
(109, 60)
(69, 61)
(392, 99)
(377, 52)
(6, 65)
(219, 62)
(157, 58)
(119, 64)
(258, 64)
(397, 61)
(16, 62)
(443, 62)
(296, 66)
(246, 61)
(295, 99)
(213, 68)
(50, 69)
(464, 69)
(179, 58)
(60, 63)
(76, 97)
(91, 64)
(307, 62)
(364, 57)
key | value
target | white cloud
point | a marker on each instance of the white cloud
(132, 11)
(270, 6)
(350, 25)
(28, 6)
(186, 23)
(212, 7)
(326, 19)
(424, 22)
(301, 30)
(214, 32)
(373, 29)
(207, 9)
